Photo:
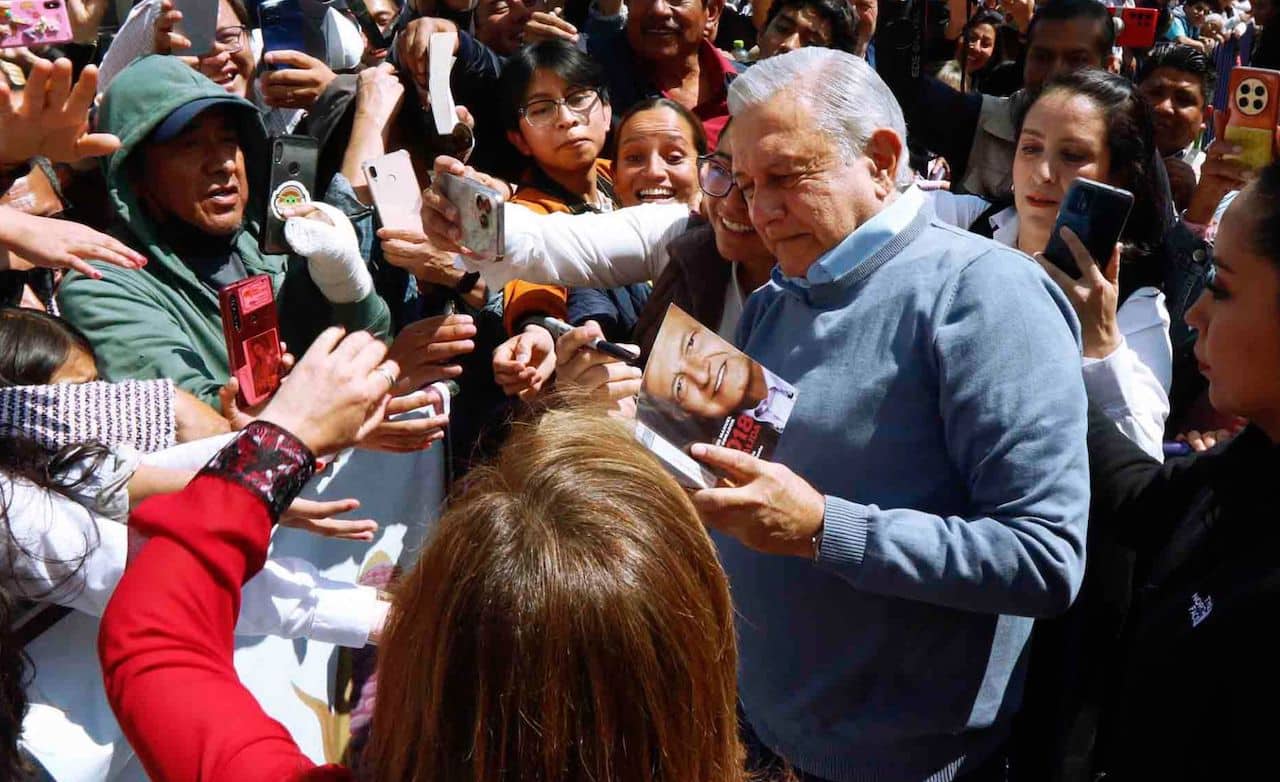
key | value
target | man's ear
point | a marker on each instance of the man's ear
(885, 150)
(713, 10)
(517, 141)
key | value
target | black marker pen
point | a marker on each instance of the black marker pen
(559, 328)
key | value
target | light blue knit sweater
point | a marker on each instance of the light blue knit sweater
(942, 413)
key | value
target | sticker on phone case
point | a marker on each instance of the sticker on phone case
(255, 294)
(287, 195)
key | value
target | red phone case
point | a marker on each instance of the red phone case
(1139, 28)
(252, 332)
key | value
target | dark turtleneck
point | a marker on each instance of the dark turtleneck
(213, 258)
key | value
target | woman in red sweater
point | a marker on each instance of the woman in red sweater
(567, 621)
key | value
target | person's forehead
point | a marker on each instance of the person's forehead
(1168, 78)
(1066, 35)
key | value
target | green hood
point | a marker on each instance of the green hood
(137, 101)
(162, 321)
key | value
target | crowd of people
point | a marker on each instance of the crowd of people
(1014, 530)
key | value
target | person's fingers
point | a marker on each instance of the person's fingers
(107, 254)
(96, 145)
(578, 338)
(1060, 277)
(315, 509)
(1112, 272)
(34, 94)
(1220, 124)
(1079, 253)
(609, 373)
(83, 92)
(465, 116)
(449, 165)
(403, 404)
(59, 88)
(719, 506)
(82, 266)
(325, 343)
(402, 236)
(739, 464)
(290, 78)
(290, 57)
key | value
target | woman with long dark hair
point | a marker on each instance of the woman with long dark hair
(1092, 124)
(1197, 683)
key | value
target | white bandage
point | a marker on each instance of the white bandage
(332, 253)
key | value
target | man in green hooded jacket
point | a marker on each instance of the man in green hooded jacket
(188, 188)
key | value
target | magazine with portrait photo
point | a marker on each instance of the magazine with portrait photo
(698, 388)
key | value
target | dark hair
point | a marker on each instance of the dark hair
(1265, 231)
(1181, 58)
(1069, 10)
(698, 132)
(996, 21)
(1130, 138)
(34, 344)
(242, 12)
(26, 460)
(561, 58)
(837, 13)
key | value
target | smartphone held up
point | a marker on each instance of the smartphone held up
(252, 332)
(480, 215)
(1097, 214)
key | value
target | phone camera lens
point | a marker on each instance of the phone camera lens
(294, 168)
(373, 172)
(484, 221)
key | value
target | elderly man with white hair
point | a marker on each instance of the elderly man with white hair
(930, 494)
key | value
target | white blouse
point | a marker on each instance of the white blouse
(1131, 386)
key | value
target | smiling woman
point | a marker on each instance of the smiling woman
(658, 145)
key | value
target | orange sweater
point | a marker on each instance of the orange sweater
(521, 299)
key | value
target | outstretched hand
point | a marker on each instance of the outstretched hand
(51, 243)
(50, 117)
(316, 517)
(356, 380)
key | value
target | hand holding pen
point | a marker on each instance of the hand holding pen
(582, 361)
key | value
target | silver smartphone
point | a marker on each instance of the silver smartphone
(480, 212)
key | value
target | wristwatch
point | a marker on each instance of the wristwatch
(466, 282)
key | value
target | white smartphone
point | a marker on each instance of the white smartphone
(480, 208)
(395, 190)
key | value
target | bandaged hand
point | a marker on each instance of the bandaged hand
(324, 236)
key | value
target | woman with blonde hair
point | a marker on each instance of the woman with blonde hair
(568, 621)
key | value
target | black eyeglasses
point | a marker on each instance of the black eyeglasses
(714, 177)
(541, 113)
(231, 39)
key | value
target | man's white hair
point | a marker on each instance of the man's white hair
(848, 99)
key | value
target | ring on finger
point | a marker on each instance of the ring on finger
(386, 372)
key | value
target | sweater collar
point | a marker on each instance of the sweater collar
(864, 250)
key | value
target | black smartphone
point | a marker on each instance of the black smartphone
(284, 27)
(1097, 213)
(293, 181)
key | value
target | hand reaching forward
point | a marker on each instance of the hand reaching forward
(50, 243)
(356, 380)
(50, 117)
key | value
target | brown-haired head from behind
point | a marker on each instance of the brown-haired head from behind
(568, 621)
